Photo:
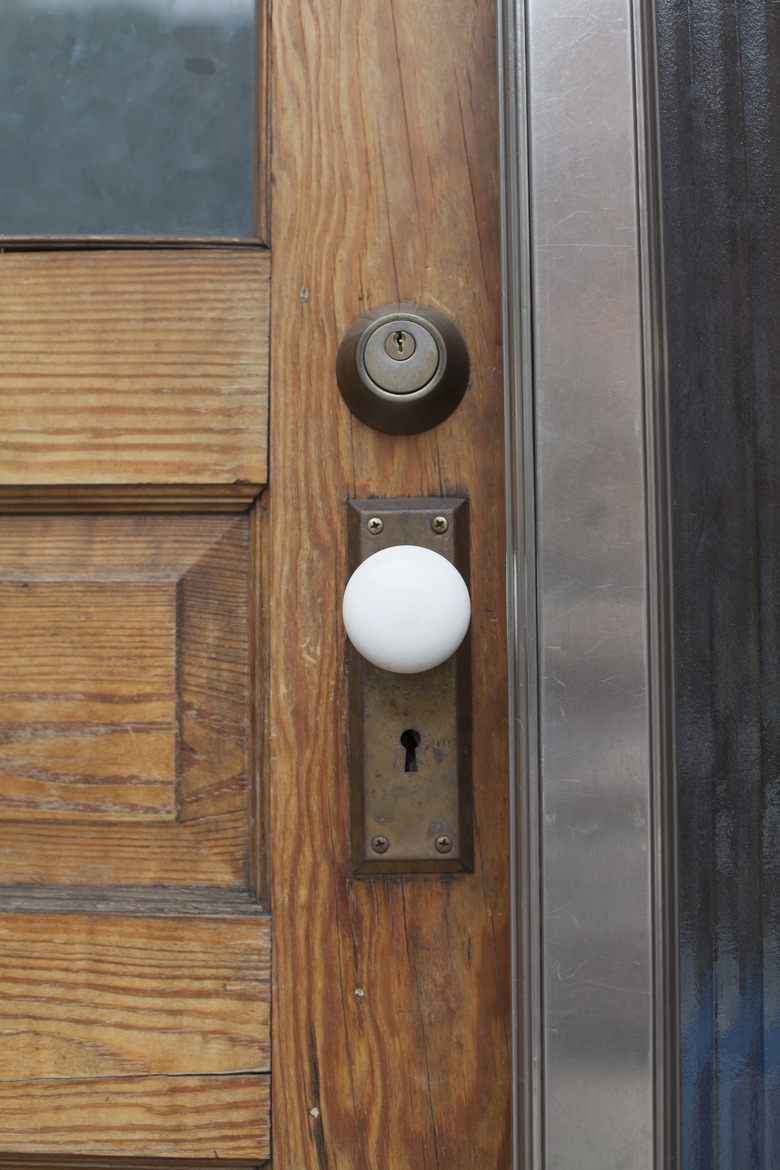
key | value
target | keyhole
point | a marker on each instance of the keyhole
(400, 345)
(410, 739)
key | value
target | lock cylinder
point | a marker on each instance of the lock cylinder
(402, 368)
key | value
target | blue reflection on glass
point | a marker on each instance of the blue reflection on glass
(730, 1038)
(127, 117)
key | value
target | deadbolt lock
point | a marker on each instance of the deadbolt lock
(402, 368)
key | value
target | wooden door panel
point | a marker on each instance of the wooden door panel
(88, 703)
(134, 953)
(135, 392)
(125, 711)
(109, 995)
(134, 367)
(222, 1120)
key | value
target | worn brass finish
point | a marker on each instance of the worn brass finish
(402, 368)
(411, 790)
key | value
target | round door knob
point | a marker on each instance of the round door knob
(406, 609)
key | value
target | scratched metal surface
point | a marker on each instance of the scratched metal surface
(594, 605)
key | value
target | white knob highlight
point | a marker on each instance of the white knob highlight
(406, 609)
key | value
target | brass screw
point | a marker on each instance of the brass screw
(444, 843)
(375, 525)
(380, 844)
(440, 524)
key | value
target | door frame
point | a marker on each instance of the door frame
(593, 859)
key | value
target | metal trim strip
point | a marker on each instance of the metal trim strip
(521, 589)
(523, 144)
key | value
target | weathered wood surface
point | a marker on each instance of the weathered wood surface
(126, 730)
(67, 1162)
(108, 996)
(391, 995)
(125, 700)
(172, 1117)
(88, 702)
(134, 366)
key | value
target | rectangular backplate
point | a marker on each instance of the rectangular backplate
(416, 807)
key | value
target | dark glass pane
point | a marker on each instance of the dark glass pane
(720, 112)
(127, 117)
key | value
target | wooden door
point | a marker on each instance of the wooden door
(173, 708)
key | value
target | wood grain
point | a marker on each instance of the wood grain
(68, 1162)
(88, 701)
(125, 701)
(175, 1118)
(391, 1009)
(134, 366)
(127, 996)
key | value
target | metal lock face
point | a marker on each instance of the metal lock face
(399, 356)
(410, 734)
(402, 368)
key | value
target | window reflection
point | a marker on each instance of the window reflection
(127, 117)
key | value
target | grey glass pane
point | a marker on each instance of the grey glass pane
(127, 117)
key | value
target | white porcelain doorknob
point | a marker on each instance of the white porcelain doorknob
(406, 609)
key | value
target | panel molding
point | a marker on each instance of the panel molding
(58, 498)
(68, 704)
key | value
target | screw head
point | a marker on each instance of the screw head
(381, 844)
(375, 525)
(440, 524)
(443, 843)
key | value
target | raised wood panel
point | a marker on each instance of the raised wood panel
(125, 996)
(176, 1118)
(88, 703)
(125, 705)
(132, 367)
(392, 994)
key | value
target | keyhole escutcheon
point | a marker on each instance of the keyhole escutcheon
(410, 739)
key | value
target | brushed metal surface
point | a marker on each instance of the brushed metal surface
(595, 931)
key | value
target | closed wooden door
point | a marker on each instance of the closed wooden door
(182, 938)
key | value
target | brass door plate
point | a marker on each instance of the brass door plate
(410, 734)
